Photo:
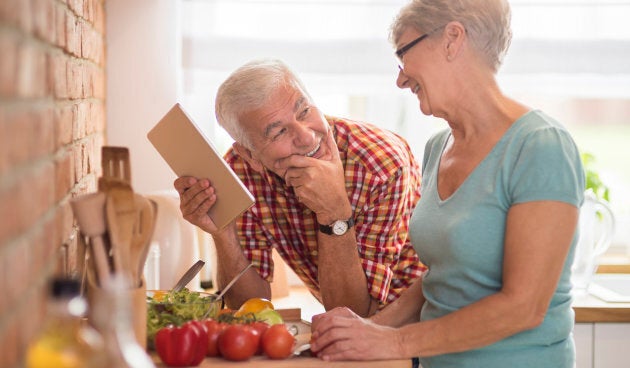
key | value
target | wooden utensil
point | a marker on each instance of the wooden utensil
(89, 210)
(141, 236)
(121, 209)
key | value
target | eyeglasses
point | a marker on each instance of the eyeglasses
(403, 50)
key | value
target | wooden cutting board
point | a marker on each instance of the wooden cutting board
(292, 318)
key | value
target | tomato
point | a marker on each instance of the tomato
(253, 305)
(215, 328)
(259, 328)
(237, 342)
(277, 342)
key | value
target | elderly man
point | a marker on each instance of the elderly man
(333, 196)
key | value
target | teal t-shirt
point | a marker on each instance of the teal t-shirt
(460, 238)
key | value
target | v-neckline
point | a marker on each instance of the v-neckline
(507, 133)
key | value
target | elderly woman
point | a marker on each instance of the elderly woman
(497, 221)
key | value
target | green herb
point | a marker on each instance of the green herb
(593, 181)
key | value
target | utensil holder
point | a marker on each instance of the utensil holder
(137, 301)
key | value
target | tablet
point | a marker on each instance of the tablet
(190, 153)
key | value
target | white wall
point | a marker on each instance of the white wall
(143, 67)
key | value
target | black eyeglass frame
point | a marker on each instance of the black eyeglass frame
(403, 50)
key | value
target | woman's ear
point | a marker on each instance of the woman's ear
(455, 34)
(246, 154)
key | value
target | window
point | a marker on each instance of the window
(568, 57)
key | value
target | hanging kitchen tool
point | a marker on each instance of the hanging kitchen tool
(89, 210)
(141, 237)
(120, 207)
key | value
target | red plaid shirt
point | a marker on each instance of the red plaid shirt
(383, 184)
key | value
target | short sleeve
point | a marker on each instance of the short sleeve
(548, 167)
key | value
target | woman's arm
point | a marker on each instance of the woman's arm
(537, 241)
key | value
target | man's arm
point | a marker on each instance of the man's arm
(196, 198)
(231, 261)
(320, 185)
(341, 276)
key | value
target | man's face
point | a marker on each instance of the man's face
(288, 125)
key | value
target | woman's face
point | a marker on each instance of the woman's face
(418, 69)
(288, 125)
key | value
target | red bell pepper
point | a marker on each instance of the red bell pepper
(183, 346)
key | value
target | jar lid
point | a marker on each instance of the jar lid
(65, 288)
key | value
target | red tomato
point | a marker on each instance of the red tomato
(277, 342)
(237, 342)
(259, 328)
(215, 328)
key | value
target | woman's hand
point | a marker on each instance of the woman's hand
(340, 334)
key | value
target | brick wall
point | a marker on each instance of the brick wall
(52, 122)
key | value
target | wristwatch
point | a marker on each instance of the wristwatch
(338, 227)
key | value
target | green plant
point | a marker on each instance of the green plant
(593, 181)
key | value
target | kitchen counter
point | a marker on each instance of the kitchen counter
(296, 362)
(590, 309)
(293, 318)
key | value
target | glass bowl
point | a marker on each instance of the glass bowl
(164, 309)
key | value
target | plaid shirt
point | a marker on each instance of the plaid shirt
(383, 185)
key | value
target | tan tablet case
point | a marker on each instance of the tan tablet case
(189, 153)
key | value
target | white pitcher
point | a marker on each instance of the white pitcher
(597, 226)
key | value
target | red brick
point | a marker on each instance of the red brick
(17, 124)
(43, 132)
(17, 13)
(74, 73)
(88, 10)
(11, 225)
(73, 35)
(64, 175)
(9, 341)
(34, 126)
(58, 75)
(88, 84)
(60, 25)
(99, 16)
(4, 138)
(76, 6)
(80, 113)
(63, 125)
(8, 64)
(44, 20)
(31, 76)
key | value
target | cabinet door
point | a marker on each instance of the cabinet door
(612, 341)
(583, 336)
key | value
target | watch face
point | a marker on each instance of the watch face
(340, 227)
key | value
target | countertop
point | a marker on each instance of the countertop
(301, 362)
(590, 309)
(293, 318)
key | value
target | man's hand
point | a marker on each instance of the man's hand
(319, 183)
(196, 197)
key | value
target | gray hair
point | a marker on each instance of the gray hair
(487, 23)
(248, 88)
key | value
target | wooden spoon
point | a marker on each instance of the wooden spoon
(89, 210)
(141, 236)
(120, 208)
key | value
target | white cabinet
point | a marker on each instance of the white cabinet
(583, 336)
(602, 345)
